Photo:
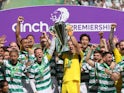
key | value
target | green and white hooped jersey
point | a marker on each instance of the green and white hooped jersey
(106, 84)
(13, 76)
(85, 75)
(24, 57)
(120, 69)
(93, 85)
(41, 74)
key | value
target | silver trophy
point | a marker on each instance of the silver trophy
(62, 37)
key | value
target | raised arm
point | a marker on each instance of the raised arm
(117, 55)
(101, 33)
(52, 45)
(111, 36)
(74, 41)
(44, 35)
(103, 41)
(88, 60)
(105, 44)
(18, 36)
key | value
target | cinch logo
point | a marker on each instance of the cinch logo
(35, 27)
(60, 15)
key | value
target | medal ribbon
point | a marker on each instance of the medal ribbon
(14, 69)
(106, 66)
(42, 66)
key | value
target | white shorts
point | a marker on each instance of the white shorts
(83, 88)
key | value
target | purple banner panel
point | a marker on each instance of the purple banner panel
(89, 20)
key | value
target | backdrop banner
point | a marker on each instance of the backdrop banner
(88, 20)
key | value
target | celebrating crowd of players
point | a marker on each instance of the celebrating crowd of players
(82, 68)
